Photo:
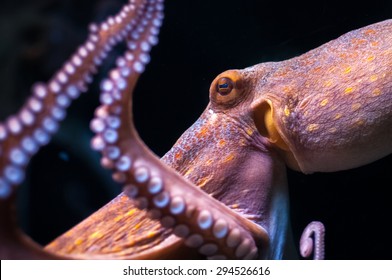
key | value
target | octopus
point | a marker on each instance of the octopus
(221, 191)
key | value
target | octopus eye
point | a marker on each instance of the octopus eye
(224, 86)
(227, 89)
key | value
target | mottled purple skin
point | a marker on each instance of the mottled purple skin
(233, 164)
(333, 105)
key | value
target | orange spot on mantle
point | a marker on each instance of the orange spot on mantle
(369, 31)
(78, 241)
(373, 78)
(137, 226)
(131, 212)
(312, 127)
(203, 131)
(221, 143)
(249, 131)
(357, 41)
(370, 58)
(348, 90)
(178, 155)
(374, 44)
(235, 206)
(328, 83)
(151, 234)
(359, 122)
(324, 102)
(338, 116)
(347, 70)
(286, 111)
(203, 181)
(189, 171)
(377, 92)
(96, 234)
(230, 157)
(287, 89)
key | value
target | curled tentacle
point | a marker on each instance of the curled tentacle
(312, 241)
(23, 134)
(202, 222)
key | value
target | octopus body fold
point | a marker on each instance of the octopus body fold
(221, 191)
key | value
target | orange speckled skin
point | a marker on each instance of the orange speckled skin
(331, 108)
(333, 105)
(118, 230)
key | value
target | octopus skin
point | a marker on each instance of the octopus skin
(259, 120)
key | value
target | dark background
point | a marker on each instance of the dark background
(199, 40)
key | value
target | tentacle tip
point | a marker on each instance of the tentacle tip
(306, 252)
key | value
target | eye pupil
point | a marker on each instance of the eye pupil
(225, 86)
